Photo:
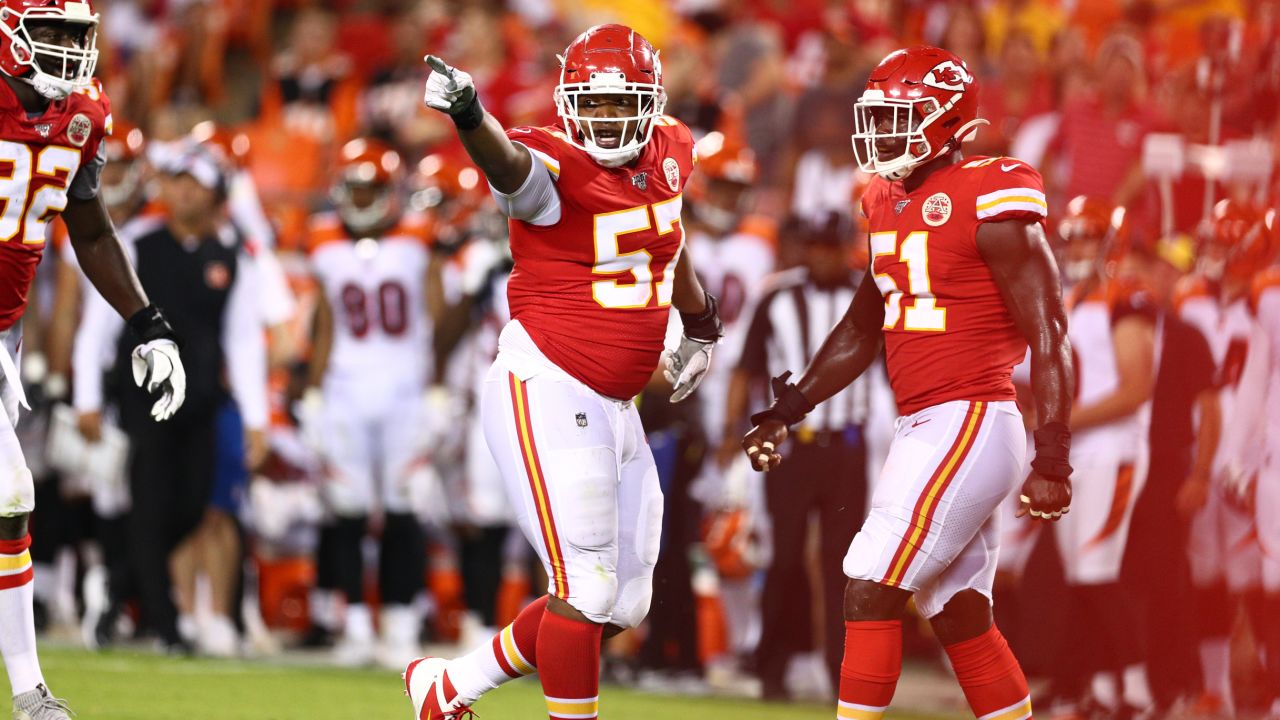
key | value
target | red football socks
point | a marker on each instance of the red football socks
(510, 655)
(991, 678)
(569, 666)
(871, 666)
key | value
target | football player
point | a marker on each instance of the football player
(594, 207)
(53, 118)
(962, 279)
(1257, 455)
(1226, 559)
(1113, 331)
(363, 410)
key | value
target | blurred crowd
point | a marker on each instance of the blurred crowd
(283, 122)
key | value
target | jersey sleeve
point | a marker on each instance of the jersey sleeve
(1132, 302)
(545, 144)
(1010, 190)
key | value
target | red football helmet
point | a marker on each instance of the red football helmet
(610, 60)
(53, 70)
(921, 98)
(1237, 245)
(365, 191)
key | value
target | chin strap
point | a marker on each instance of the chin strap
(49, 86)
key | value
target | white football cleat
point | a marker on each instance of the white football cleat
(433, 697)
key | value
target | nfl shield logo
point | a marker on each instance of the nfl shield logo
(582, 419)
(900, 206)
(641, 181)
(43, 129)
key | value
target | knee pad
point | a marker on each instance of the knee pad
(402, 560)
(594, 595)
(633, 602)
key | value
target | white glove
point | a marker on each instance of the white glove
(310, 412)
(449, 89)
(685, 366)
(157, 366)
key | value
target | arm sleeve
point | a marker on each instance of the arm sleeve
(537, 202)
(84, 186)
(93, 350)
(244, 345)
(278, 303)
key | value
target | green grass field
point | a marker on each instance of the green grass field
(127, 685)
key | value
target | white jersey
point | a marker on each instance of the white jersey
(1090, 324)
(376, 289)
(733, 270)
(1228, 327)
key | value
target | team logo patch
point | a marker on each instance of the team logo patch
(672, 170)
(217, 276)
(900, 206)
(936, 210)
(581, 418)
(949, 76)
(641, 181)
(78, 130)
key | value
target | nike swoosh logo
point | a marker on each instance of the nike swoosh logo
(920, 422)
(1007, 168)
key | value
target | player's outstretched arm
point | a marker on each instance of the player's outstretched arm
(156, 362)
(452, 92)
(1022, 265)
(847, 352)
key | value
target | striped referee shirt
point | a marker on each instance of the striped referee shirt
(789, 324)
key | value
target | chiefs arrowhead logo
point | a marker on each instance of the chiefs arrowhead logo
(947, 75)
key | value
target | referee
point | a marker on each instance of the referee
(193, 265)
(824, 482)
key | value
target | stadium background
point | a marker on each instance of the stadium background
(288, 83)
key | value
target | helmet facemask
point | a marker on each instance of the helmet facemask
(56, 71)
(878, 119)
(367, 215)
(585, 131)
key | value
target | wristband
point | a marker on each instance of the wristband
(706, 325)
(149, 324)
(1053, 448)
(471, 116)
(789, 404)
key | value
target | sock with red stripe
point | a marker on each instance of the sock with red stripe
(511, 654)
(870, 669)
(990, 676)
(17, 618)
(569, 666)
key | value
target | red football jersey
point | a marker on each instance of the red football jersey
(594, 290)
(39, 157)
(948, 335)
